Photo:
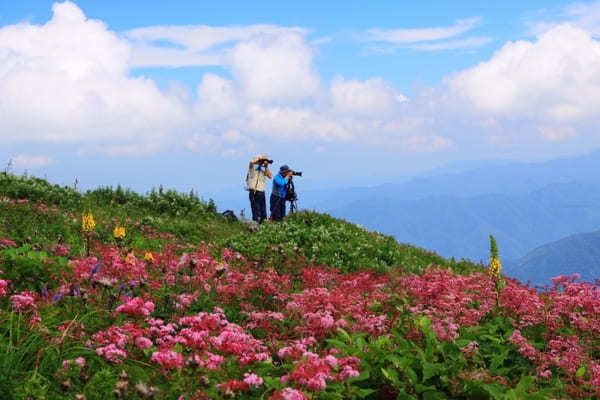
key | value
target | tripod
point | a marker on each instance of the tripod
(291, 196)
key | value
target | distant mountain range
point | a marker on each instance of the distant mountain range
(578, 253)
(460, 227)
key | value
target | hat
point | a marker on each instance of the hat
(284, 169)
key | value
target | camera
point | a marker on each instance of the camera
(297, 173)
(265, 159)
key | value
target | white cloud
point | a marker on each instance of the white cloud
(29, 161)
(195, 45)
(556, 133)
(468, 43)
(422, 34)
(217, 98)
(275, 68)
(153, 56)
(557, 77)
(581, 15)
(231, 144)
(372, 96)
(295, 124)
(66, 82)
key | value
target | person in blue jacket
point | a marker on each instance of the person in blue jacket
(279, 192)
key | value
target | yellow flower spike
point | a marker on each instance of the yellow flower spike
(495, 266)
(119, 232)
(87, 222)
(148, 256)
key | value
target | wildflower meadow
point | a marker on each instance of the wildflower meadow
(110, 294)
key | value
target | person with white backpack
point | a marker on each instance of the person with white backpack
(258, 171)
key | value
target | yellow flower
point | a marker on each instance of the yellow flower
(495, 267)
(148, 256)
(119, 232)
(87, 222)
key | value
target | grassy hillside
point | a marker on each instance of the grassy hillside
(186, 304)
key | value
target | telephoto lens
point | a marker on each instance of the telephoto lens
(298, 173)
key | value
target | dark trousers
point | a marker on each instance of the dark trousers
(258, 204)
(277, 207)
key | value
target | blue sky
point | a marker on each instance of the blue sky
(183, 93)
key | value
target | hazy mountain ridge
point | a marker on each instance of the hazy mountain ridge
(459, 227)
(579, 253)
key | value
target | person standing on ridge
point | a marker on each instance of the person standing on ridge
(258, 171)
(279, 193)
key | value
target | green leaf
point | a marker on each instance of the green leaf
(338, 344)
(362, 393)
(344, 335)
(430, 370)
(178, 348)
(412, 375)
(495, 390)
(580, 371)
(434, 395)
(394, 359)
(391, 375)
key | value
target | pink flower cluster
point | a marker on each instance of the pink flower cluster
(79, 362)
(24, 301)
(168, 359)
(313, 371)
(136, 307)
(288, 394)
(112, 353)
(449, 300)
(3, 287)
(6, 242)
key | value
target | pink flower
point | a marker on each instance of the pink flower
(471, 348)
(168, 359)
(213, 361)
(228, 254)
(23, 302)
(79, 361)
(3, 286)
(526, 349)
(136, 307)
(6, 242)
(112, 353)
(143, 342)
(253, 379)
(288, 394)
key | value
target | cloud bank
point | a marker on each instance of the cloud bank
(70, 81)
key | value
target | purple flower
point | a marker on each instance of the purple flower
(94, 269)
(76, 291)
(56, 297)
(44, 291)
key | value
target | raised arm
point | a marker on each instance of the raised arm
(268, 172)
